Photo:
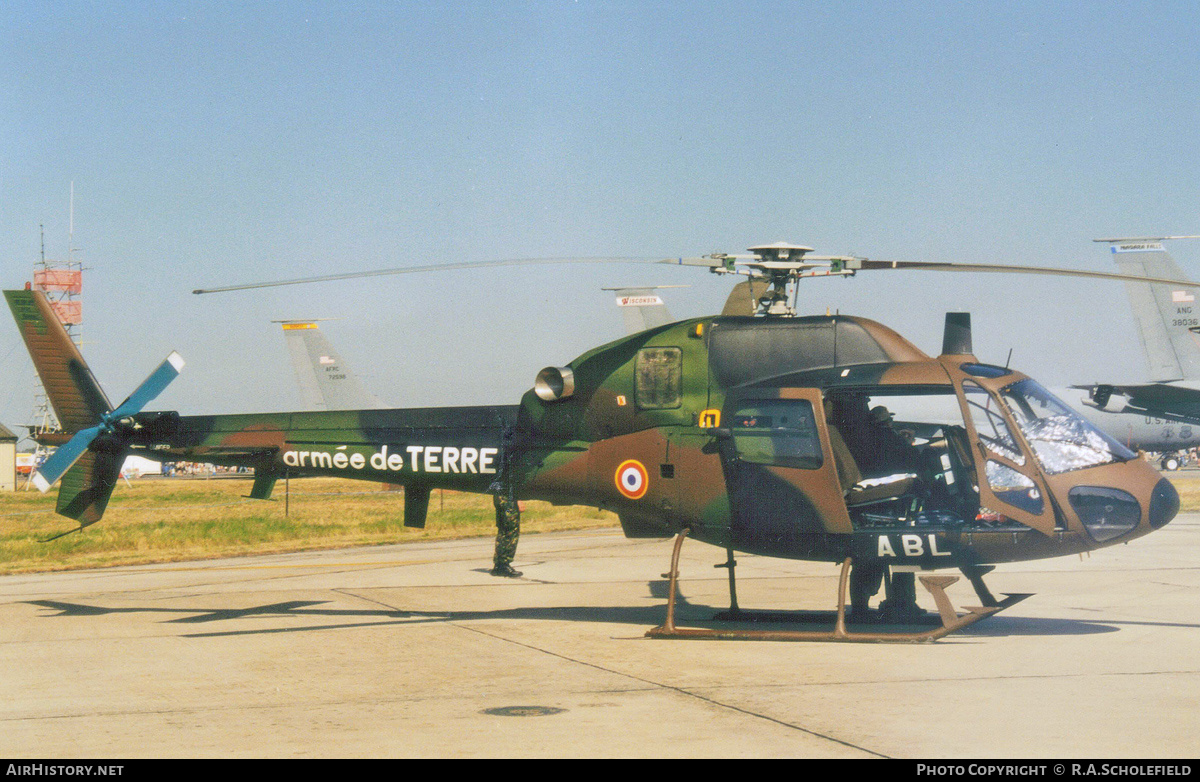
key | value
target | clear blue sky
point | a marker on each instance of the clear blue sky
(215, 143)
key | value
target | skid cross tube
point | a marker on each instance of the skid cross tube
(936, 585)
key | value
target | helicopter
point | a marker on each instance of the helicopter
(758, 431)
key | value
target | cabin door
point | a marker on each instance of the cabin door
(1010, 482)
(780, 470)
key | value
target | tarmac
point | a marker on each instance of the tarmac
(414, 650)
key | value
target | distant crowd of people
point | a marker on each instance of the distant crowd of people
(171, 469)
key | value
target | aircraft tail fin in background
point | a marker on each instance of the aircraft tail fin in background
(1168, 319)
(326, 382)
(642, 308)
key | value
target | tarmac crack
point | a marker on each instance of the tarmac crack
(678, 690)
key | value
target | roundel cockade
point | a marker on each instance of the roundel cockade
(632, 480)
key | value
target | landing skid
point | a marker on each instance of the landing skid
(936, 585)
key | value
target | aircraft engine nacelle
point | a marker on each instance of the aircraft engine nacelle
(554, 383)
(1100, 396)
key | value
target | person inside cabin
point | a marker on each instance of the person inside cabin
(879, 448)
(894, 446)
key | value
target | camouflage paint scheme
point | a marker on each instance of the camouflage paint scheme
(673, 428)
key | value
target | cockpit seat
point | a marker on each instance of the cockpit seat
(872, 490)
(860, 491)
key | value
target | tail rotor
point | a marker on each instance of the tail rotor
(110, 425)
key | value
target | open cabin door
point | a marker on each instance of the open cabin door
(1007, 473)
(780, 470)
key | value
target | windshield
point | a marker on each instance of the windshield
(1060, 439)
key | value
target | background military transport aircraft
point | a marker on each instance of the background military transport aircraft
(1162, 414)
(322, 374)
(326, 381)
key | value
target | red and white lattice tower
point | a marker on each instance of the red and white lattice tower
(62, 282)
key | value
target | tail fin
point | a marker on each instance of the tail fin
(1168, 319)
(326, 383)
(88, 464)
(642, 308)
(85, 488)
(76, 397)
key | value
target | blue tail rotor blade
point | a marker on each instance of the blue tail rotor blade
(151, 387)
(66, 456)
(62, 459)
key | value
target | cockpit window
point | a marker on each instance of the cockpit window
(989, 424)
(1060, 439)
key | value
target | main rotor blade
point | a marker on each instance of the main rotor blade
(710, 262)
(864, 263)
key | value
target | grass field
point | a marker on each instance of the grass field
(163, 520)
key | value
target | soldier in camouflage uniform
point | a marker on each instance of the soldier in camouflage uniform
(508, 530)
(508, 512)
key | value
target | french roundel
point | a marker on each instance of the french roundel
(632, 480)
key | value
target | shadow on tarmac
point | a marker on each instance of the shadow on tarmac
(645, 616)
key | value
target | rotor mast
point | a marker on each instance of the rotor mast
(779, 265)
